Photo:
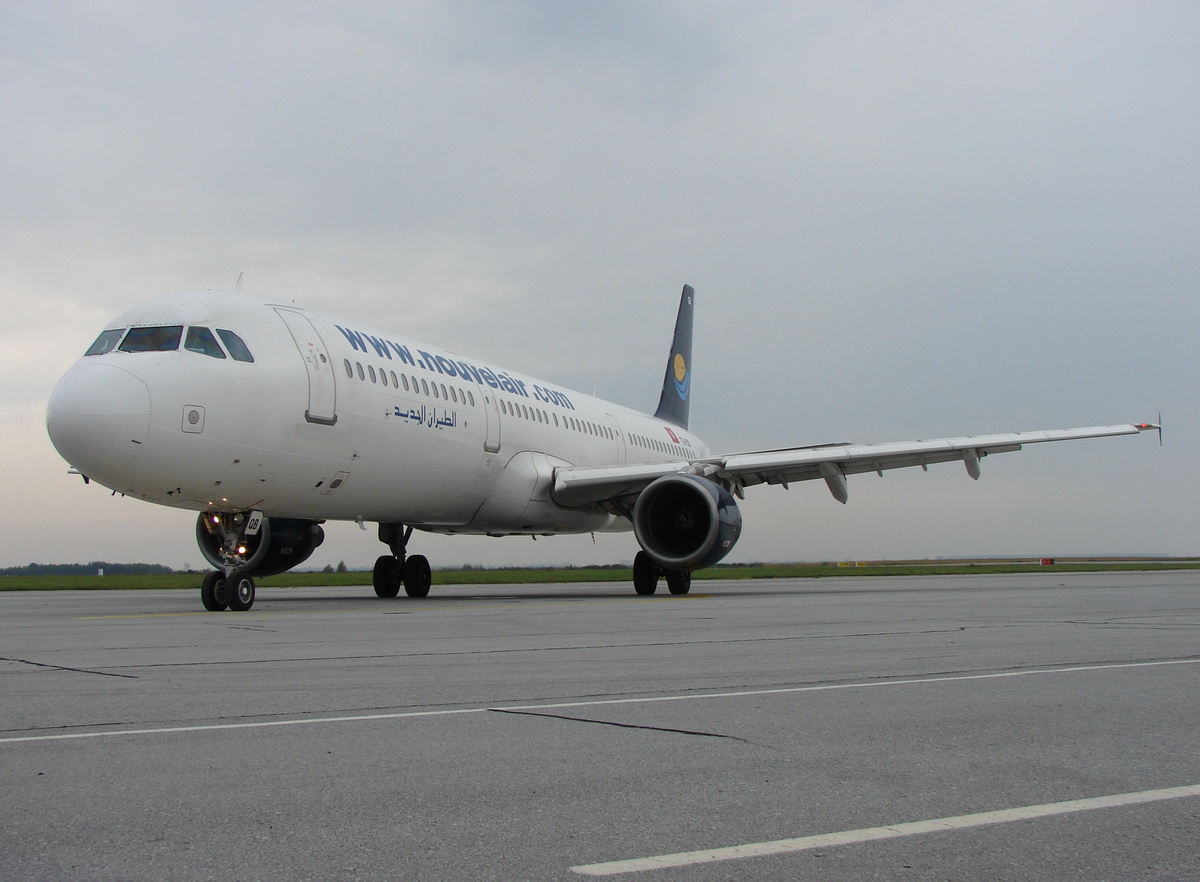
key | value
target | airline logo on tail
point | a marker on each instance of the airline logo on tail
(677, 379)
(683, 379)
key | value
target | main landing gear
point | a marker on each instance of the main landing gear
(398, 568)
(646, 574)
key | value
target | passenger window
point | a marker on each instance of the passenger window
(395, 382)
(236, 346)
(383, 376)
(164, 338)
(105, 342)
(361, 374)
(349, 368)
(404, 380)
(371, 370)
(202, 340)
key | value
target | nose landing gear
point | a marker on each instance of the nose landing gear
(231, 586)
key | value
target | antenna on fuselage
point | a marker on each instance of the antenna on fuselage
(238, 285)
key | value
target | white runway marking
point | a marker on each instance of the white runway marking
(872, 834)
(743, 693)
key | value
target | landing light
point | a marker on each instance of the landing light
(241, 549)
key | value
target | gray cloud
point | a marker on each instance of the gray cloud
(901, 221)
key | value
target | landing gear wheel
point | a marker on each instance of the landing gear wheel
(679, 581)
(212, 592)
(239, 590)
(645, 574)
(387, 576)
(417, 576)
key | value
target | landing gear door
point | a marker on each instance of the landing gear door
(322, 387)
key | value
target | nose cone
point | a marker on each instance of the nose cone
(98, 417)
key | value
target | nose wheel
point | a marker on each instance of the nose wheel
(239, 588)
(219, 592)
(233, 542)
(212, 592)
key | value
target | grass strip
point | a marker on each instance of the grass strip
(544, 575)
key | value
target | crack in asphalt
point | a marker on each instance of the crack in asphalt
(599, 698)
(523, 713)
(26, 661)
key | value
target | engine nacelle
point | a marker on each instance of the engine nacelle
(685, 522)
(281, 543)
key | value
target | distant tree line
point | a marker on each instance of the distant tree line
(87, 569)
(134, 569)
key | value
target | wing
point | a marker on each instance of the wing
(832, 462)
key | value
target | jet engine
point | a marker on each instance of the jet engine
(684, 522)
(280, 544)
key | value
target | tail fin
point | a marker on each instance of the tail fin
(677, 383)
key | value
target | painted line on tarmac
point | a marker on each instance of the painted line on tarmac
(654, 699)
(469, 603)
(874, 834)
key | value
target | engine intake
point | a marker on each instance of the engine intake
(685, 522)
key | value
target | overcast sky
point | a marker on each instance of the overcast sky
(901, 220)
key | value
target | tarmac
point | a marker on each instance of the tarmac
(1000, 727)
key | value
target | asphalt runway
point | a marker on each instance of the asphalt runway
(986, 727)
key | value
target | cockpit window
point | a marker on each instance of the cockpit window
(202, 340)
(105, 342)
(237, 348)
(162, 338)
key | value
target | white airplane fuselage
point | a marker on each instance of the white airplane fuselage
(336, 420)
(269, 419)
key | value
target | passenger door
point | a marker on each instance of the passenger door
(322, 385)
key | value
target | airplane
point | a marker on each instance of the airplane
(269, 419)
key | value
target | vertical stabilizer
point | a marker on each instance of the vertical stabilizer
(677, 383)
